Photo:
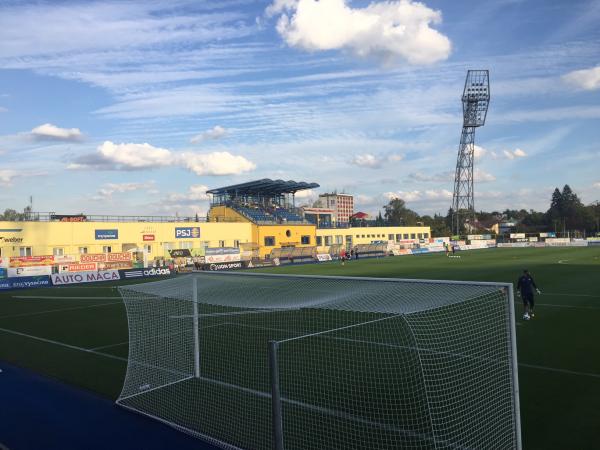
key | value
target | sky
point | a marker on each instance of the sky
(139, 107)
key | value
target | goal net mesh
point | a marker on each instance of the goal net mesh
(253, 361)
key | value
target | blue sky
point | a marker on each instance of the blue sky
(139, 107)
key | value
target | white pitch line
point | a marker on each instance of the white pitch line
(61, 344)
(532, 366)
(565, 306)
(572, 295)
(102, 347)
(49, 311)
(53, 297)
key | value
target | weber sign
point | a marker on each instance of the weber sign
(84, 277)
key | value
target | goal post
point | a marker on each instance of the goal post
(272, 361)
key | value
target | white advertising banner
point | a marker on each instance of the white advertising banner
(85, 277)
(29, 271)
(322, 257)
(217, 259)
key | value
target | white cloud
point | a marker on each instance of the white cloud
(438, 177)
(216, 163)
(48, 131)
(107, 191)
(391, 30)
(586, 79)
(482, 177)
(374, 161)
(596, 185)
(479, 152)
(217, 132)
(6, 177)
(413, 196)
(307, 193)
(196, 193)
(367, 160)
(408, 196)
(111, 156)
(512, 154)
(3, 109)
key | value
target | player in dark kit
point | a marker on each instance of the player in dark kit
(525, 289)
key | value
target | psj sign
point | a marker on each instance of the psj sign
(187, 232)
(107, 234)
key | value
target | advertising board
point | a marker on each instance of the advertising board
(225, 266)
(115, 265)
(104, 257)
(31, 271)
(322, 257)
(84, 267)
(180, 253)
(3, 272)
(102, 235)
(148, 237)
(142, 273)
(84, 277)
(187, 232)
(24, 282)
(27, 261)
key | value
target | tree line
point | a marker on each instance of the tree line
(566, 214)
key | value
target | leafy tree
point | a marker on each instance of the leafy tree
(397, 214)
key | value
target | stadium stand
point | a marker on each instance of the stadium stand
(263, 201)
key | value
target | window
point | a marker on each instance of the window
(363, 236)
(319, 240)
(106, 249)
(390, 237)
(305, 240)
(426, 235)
(58, 251)
(328, 240)
(221, 243)
(168, 246)
(83, 250)
(412, 236)
(236, 243)
(339, 239)
(420, 235)
(148, 248)
(269, 241)
(24, 251)
(405, 235)
(398, 237)
(186, 244)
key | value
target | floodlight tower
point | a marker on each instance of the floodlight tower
(475, 100)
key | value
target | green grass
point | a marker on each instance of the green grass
(559, 361)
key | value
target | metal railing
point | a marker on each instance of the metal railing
(53, 217)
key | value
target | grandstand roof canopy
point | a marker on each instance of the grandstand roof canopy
(264, 186)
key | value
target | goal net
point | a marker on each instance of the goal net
(257, 361)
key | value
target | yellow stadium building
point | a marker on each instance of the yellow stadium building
(257, 217)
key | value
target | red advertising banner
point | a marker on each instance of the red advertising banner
(28, 261)
(148, 237)
(104, 257)
(82, 267)
(92, 257)
(125, 256)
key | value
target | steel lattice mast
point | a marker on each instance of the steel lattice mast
(475, 100)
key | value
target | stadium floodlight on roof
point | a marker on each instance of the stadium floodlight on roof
(475, 101)
(263, 361)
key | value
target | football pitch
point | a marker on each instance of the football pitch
(79, 334)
